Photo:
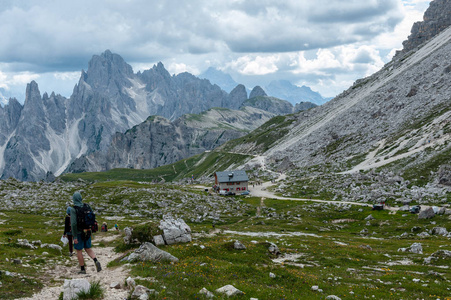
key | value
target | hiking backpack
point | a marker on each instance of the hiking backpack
(86, 219)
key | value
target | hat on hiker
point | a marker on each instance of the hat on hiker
(68, 210)
(77, 199)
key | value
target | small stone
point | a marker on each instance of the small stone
(130, 282)
(239, 246)
(272, 275)
(207, 293)
(115, 285)
(315, 288)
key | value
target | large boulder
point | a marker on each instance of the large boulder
(74, 286)
(175, 231)
(149, 252)
(426, 213)
(415, 248)
(439, 231)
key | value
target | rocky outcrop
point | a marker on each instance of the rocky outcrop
(436, 19)
(149, 252)
(158, 141)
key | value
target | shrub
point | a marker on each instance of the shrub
(145, 232)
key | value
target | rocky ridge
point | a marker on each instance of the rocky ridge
(435, 20)
(108, 98)
(158, 141)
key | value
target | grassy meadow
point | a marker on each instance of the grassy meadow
(321, 245)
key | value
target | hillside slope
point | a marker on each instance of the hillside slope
(400, 114)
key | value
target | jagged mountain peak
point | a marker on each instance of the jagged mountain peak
(32, 95)
(436, 19)
(105, 68)
(257, 92)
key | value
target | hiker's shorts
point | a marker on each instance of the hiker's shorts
(82, 244)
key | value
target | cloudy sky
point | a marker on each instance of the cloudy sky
(324, 44)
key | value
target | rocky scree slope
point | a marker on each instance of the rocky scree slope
(392, 116)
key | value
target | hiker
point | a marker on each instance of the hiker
(68, 231)
(82, 232)
(104, 227)
(116, 227)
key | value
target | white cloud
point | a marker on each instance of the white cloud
(255, 65)
(177, 68)
(266, 39)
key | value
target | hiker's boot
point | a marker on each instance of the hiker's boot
(98, 266)
(82, 272)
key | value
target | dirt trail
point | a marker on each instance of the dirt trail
(106, 277)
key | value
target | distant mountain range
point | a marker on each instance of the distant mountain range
(282, 89)
(43, 137)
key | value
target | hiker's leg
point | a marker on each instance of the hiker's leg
(90, 253)
(71, 245)
(81, 261)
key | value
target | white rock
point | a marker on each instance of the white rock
(74, 286)
(229, 290)
(207, 293)
(315, 288)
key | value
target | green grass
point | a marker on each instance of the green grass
(204, 164)
(323, 239)
(95, 292)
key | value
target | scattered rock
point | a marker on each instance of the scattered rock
(158, 240)
(369, 218)
(115, 285)
(439, 231)
(149, 252)
(130, 282)
(207, 293)
(142, 293)
(428, 213)
(25, 243)
(273, 249)
(272, 275)
(128, 235)
(74, 286)
(415, 248)
(423, 235)
(52, 246)
(332, 297)
(229, 290)
(239, 246)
